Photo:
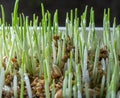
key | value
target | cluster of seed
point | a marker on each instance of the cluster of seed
(38, 83)
(38, 87)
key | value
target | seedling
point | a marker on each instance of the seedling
(39, 59)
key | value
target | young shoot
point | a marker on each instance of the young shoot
(28, 86)
(70, 84)
(15, 86)
(8, 65)
(79, 94)
(85, 72)
(106, 27)
(15, 14)
(59, 55)
(54, 53)
(75, 90)
(47, 93)
(65, 84)
(53, 89)
(83, 25)
(3, 15)
(47, 60)
(2, 79)
(103, 63)
(102, 86)
(63, 46)
(78, 79)
(96, 60)
(91, 30)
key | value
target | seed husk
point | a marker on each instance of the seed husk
(59, 94)
(57, 71)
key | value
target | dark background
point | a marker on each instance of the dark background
(29, 7)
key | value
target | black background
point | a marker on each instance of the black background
(29, 7)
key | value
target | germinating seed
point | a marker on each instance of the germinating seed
(44, 61)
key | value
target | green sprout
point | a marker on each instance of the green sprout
(46, 82)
